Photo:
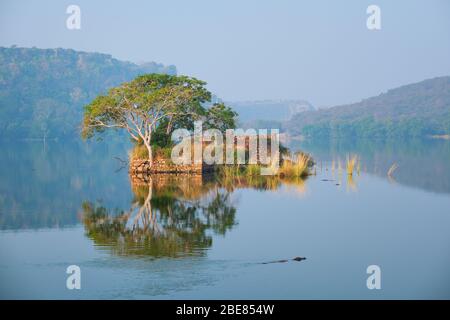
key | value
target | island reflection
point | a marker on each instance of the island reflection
(172, 216)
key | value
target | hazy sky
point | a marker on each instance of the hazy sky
(321, 51)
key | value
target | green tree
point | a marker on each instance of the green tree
(220, 117)
(154, 104)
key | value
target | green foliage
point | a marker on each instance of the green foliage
(371, 128)
(42, 91)
(152, 106)
(415, 110)
(147, 102)
(220, 117)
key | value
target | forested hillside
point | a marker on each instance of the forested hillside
(414, 110)
(43, 91)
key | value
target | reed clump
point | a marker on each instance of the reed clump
(352, 162)
(253, 170)
(296, 166)
(392, 169)
(231, 171)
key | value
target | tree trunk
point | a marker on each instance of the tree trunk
(149, 149)
(168, 130)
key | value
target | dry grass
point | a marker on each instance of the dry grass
(230, 171)
(351, 184)
(297, 166)
(252, 170)
(392, 169)
(352, 162)
(139, 151)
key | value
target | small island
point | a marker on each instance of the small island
(159, 111)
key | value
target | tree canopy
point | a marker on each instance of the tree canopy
(151, 106)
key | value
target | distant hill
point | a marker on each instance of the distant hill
(268, 113)
(42, 91)
(414, 110)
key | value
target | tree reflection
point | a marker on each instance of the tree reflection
(168, 217)
(172, 216)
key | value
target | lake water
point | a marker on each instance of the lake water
(67, 204)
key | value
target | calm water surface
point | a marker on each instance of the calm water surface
(69, 203)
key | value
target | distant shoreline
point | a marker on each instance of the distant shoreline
(303, 138)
